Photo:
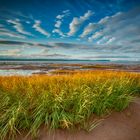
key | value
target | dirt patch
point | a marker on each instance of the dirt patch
(123, 125)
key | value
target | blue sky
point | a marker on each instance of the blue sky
(70, 29)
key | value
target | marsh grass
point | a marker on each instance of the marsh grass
(62, 101)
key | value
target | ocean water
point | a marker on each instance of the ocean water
(69, 62)
(10, 72)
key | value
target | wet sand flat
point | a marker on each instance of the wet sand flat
(29, 69)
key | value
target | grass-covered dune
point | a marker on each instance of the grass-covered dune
(62, 101)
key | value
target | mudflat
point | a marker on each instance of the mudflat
(29, 69)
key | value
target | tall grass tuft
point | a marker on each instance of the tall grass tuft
(62, 101)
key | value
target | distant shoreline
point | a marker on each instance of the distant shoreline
(29, 68)
(66, 61)
(51, 60)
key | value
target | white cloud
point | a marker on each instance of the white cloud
(88, 29)
(95, 36)
(106, 40)
(58, 23)
(59, 32)
(11, 35)
(103, 40)
(38, 28)
(91, 27)
(9, 52)
(65, 13)
(110, 40)
(77, 22)
(120, 29)
(104, 20)
(60, 16)
(18, 26)
(59, 19)
(7, 33)
(123, 28)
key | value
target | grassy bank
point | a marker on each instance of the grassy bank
(62, 101)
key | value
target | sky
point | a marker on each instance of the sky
(70, 29)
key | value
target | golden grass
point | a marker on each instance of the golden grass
(62, 101)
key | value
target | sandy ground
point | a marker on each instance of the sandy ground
(123, 125)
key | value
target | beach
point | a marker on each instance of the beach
(53, 67)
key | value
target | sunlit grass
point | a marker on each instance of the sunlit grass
(62, 101)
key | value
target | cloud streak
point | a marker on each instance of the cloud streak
(18, 26)
(38, 28)
(59, 19)
(77, 22)
(119, 29)
(88, 29)
(8, 33)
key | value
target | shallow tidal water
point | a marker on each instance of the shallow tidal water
(17, 72)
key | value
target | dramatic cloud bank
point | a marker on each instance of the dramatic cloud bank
(19, 49)
(70, 29)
